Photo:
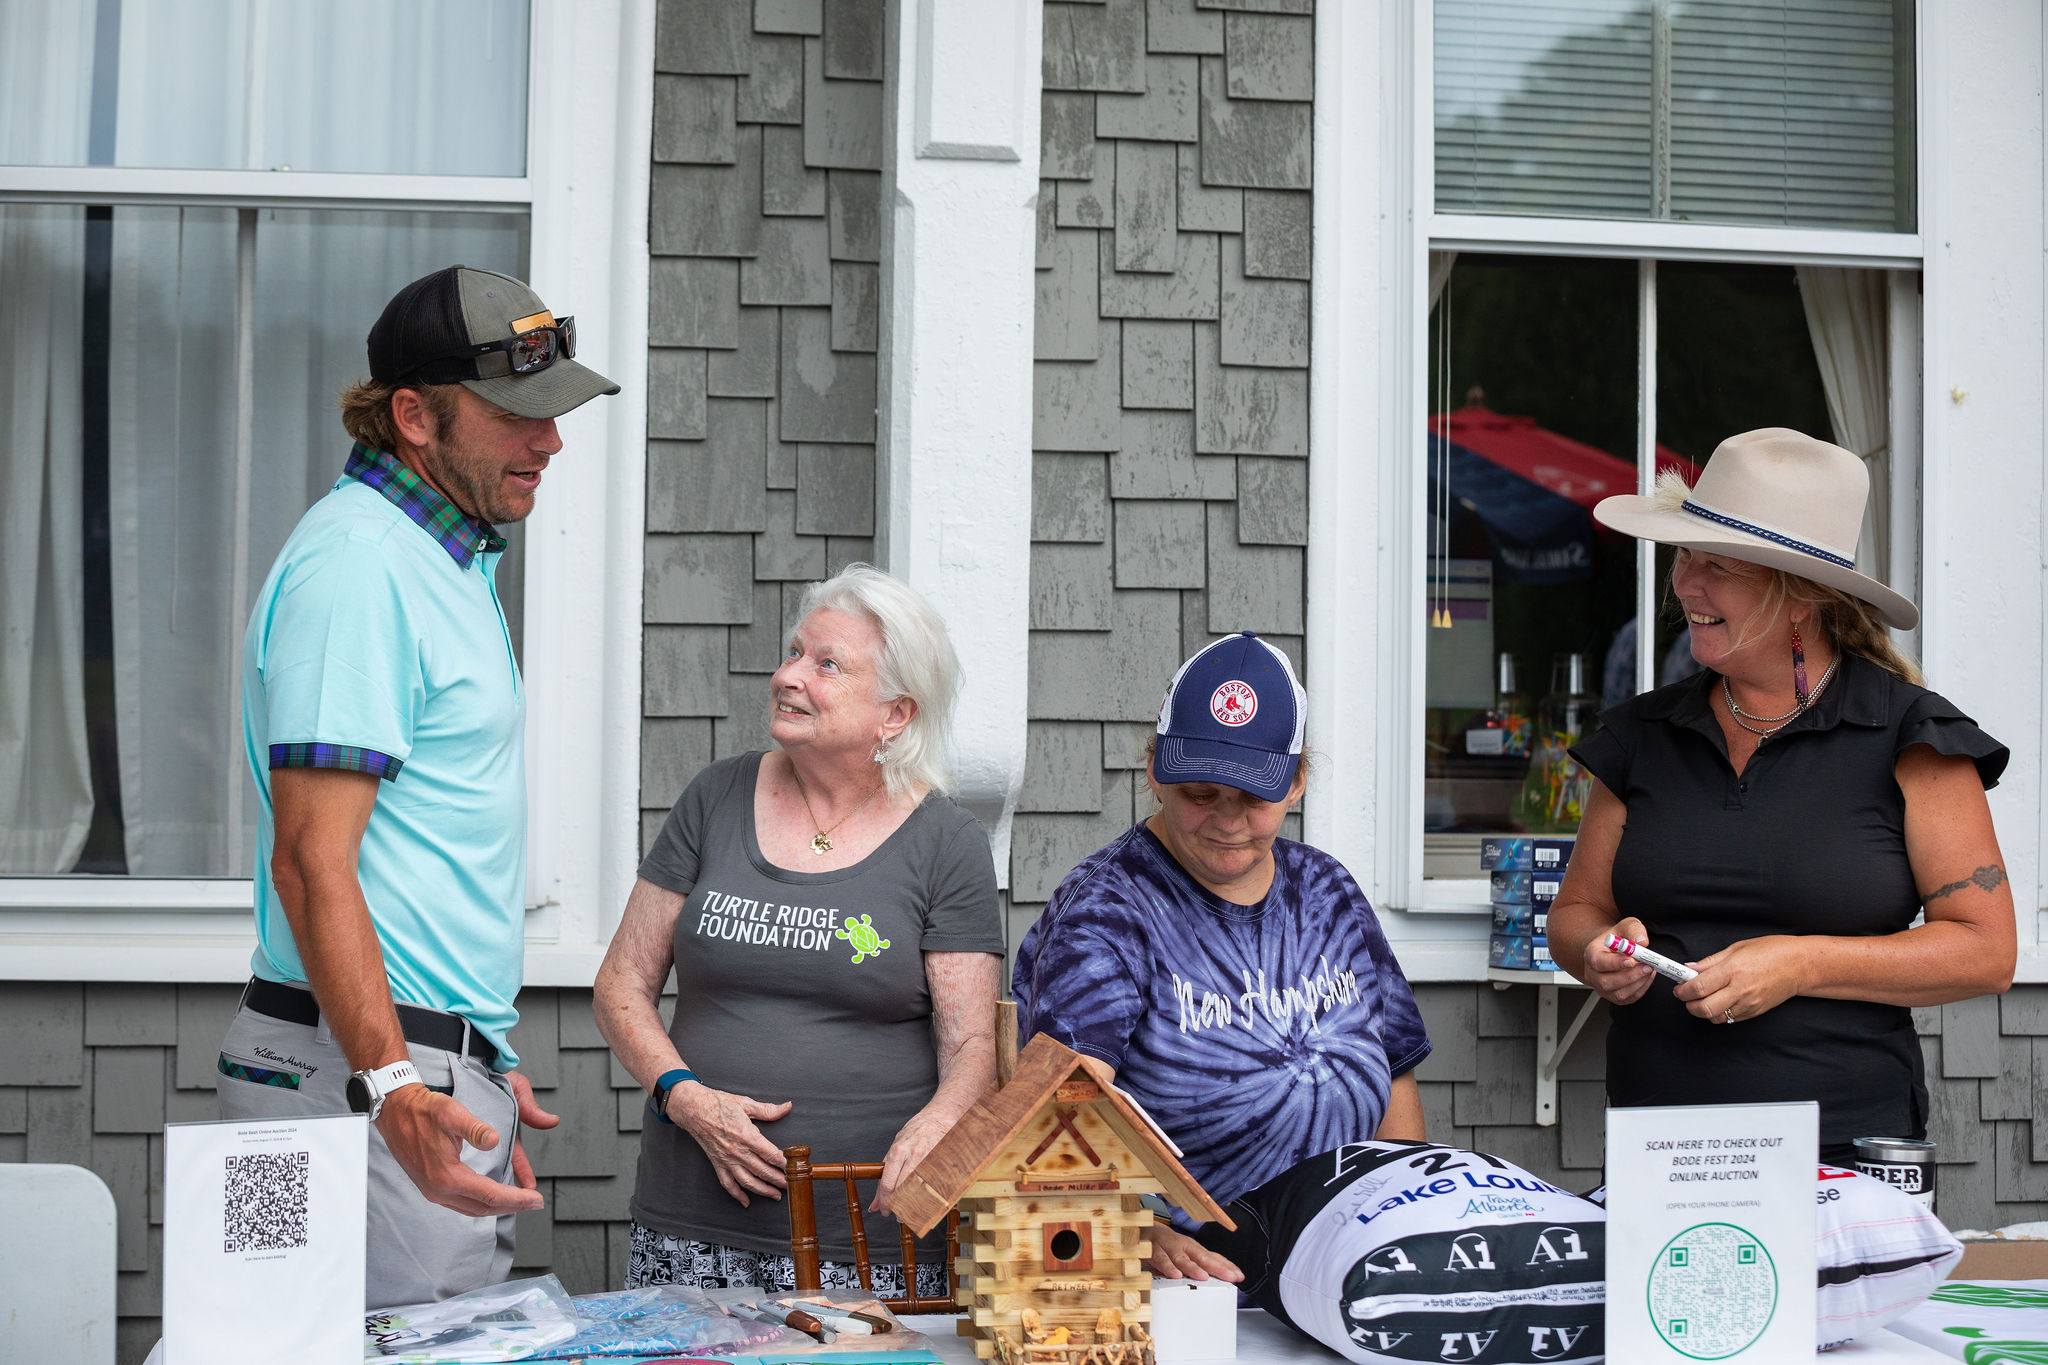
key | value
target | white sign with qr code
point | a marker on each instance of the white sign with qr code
(263, 1240)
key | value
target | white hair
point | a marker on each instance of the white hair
(915, 660)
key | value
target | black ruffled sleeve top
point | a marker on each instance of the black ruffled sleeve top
(1808, 839)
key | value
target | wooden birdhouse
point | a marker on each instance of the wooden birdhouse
(1046, 1170)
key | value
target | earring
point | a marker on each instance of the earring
(882, 752)
(1798, 666)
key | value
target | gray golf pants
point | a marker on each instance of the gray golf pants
(417, 1252)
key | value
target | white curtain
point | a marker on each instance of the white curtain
(184, 571)
(45, 772)
(1440, 263)
(1848, 316)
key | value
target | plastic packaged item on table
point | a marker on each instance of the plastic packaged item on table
(896, 1343)
(1551, 855)
(516, 1320)
(1514, 919)
(663, 1320)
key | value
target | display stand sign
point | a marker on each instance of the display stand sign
(263, 1241)
(1710, 1228)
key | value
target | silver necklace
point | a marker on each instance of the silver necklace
(1773, 724)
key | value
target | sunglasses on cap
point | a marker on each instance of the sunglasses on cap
(526, 352)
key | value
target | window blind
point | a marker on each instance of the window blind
(1543, 107)
(1788, 113)
(1781, 112)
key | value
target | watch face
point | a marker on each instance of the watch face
(358, 1092)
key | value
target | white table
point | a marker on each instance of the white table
(1264, 1340)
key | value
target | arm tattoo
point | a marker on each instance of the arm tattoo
(1990, 877)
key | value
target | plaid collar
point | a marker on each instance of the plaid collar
(460, 535)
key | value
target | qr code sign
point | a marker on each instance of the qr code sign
(265, 1204)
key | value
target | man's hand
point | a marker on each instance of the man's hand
(1177, 1256)
(741, 1157)
(531, 1115)
(425, 1131)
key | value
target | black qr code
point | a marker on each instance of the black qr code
(265, 1204)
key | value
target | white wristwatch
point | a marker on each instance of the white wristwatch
(367, 1090)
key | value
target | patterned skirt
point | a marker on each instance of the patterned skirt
(657, 1258)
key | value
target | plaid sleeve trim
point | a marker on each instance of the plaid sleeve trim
(346, 757)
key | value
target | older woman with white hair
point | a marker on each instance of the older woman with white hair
(831, 919)
(1778, 821)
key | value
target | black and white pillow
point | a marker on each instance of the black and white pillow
(1395, 1252)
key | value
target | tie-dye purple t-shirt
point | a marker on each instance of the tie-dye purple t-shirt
(1257, 1035)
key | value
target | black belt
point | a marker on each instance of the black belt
(428, 1028)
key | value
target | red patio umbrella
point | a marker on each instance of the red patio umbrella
(1568, 468)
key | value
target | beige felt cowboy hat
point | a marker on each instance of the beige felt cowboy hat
(1773, 497)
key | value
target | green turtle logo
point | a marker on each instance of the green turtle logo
(860, 932)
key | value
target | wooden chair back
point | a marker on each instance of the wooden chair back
(803, 1231)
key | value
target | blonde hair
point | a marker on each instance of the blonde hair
(366, 410)
(915, 660)
(1850, 624)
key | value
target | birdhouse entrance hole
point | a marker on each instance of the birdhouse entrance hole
(1069, 1246)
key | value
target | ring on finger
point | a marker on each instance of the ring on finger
(1728, 1015)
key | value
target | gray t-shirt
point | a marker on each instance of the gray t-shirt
(805, 986)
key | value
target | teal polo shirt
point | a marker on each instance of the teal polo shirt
(378, 645)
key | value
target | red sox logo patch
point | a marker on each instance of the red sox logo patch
(1234, 703)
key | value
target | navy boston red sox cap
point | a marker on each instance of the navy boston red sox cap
(1233, 714)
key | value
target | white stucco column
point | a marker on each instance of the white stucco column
(958, 264)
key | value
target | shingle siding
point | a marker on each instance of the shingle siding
(1175, 345)
(764, 318)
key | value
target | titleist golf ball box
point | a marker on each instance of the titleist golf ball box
(1523, 874)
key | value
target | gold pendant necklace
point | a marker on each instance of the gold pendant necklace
(821, 844)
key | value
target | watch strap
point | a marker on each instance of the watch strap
(386, 1079)
(657, 1099)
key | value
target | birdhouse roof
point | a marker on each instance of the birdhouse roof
(998, 1116)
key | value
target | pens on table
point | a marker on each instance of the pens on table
(842, 1323)
(1656, 962)
(789, 1317)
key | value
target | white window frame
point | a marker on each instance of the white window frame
(1375, 227)
(589, 130)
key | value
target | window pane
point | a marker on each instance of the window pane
(1793, 113)
(1782, 112)
(1532, 423)
(1734, 353)
(1543, 107)
(414, 87)
(121, 488)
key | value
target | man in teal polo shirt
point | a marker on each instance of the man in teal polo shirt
(383, 719)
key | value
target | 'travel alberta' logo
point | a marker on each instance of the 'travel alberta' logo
(1234, 703)
(860, 932)
(1499, 1205)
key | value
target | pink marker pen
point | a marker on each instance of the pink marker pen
(1656, 962)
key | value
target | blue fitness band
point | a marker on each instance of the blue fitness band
(657, 1102)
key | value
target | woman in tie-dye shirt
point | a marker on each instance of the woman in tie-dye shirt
(1238, 982)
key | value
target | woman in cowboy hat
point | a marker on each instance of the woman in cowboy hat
(1778, 820)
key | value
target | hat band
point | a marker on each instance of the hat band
(1777, 537)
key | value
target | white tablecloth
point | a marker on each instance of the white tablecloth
(1265, 1340)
